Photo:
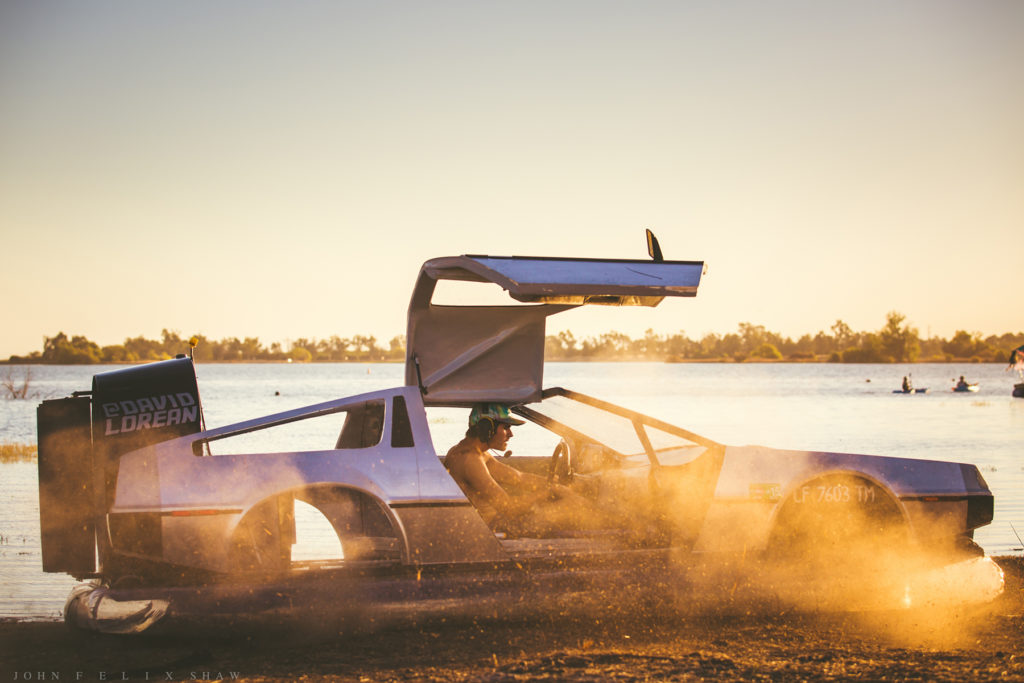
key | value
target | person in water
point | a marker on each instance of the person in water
(511, 501)
(962, 384)
(906, 384)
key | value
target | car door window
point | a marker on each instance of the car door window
(357, 426)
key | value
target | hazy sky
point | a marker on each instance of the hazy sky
(281, 169)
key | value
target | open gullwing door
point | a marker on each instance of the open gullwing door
(459, 355)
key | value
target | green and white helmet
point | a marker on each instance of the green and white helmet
(496, 412)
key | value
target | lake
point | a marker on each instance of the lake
(832, 407)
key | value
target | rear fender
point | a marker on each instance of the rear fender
(365, 527)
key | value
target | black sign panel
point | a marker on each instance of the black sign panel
(143, 405)
(138, 406)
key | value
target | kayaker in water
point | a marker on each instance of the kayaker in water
(962, 384)
(906, 385)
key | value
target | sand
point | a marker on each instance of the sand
(976, 643)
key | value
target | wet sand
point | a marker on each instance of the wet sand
(982, 642)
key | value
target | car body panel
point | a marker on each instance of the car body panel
(755, 480)
(903, 476)
(436, 522)
(723, 500)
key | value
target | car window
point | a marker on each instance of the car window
(465, 293)
(356, 426)
(363, 426)
(617, 431)
(401, 427)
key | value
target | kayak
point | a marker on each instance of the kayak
(969, 387)
(910, 391)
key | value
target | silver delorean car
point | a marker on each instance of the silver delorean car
(166, 515)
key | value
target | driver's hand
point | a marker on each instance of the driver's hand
(558, 491)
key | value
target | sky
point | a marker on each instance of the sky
(281, 170)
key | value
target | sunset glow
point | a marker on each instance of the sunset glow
(281, 170)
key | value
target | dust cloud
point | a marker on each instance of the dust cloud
(898, 592)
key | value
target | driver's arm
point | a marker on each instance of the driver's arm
(510, 476)
(476, 474)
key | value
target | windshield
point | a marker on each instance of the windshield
(617, 428)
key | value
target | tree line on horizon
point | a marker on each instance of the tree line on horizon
(79, 350)
(895, 342)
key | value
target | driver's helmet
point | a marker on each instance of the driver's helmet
(496, 412)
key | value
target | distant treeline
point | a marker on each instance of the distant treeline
(895, 342)
(78, 350)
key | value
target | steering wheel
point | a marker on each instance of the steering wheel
(560, 468)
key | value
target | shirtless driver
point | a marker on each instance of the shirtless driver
(510, 501)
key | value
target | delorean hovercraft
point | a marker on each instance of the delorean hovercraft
(165, 515)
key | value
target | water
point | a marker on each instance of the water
(848, 408)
